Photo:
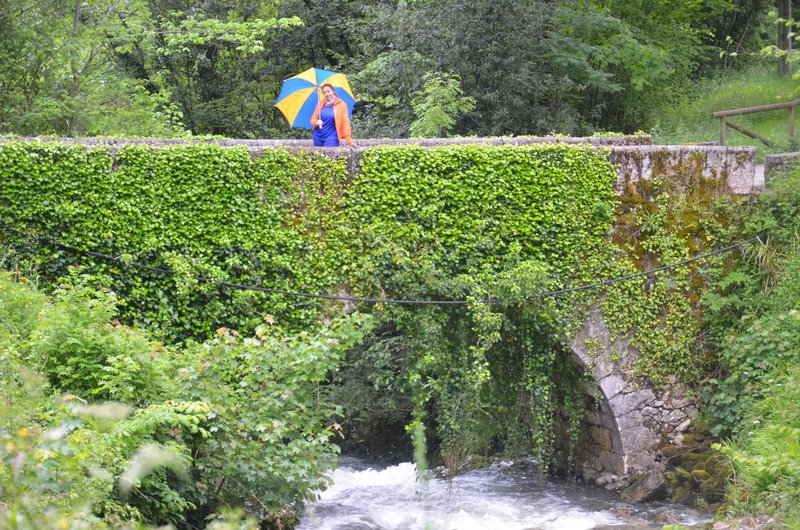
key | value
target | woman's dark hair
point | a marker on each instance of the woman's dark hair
(328, 84)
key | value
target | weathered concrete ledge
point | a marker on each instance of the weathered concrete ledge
(635, 156)
(735, 165)
(636, 139)
(776, 162)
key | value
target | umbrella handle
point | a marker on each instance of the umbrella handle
(319, 102)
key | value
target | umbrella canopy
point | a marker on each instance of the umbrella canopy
(300, 95)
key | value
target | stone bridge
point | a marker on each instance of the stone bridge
(633, 420)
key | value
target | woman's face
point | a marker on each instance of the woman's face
(327, 93)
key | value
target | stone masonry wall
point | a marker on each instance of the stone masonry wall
(737, 165)
(633, 421)
(776, 162)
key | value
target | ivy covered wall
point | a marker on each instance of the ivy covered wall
(470, 222)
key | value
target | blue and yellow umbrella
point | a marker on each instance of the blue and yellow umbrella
(301, 94)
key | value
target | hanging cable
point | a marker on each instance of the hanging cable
(356, 299)
(652, 271)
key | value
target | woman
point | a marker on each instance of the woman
(330, 121)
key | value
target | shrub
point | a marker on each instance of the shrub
(231, 422)
(81, 350)
(752, 321)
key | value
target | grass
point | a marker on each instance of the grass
(686, 116)
(767, 459)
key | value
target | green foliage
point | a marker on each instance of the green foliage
(621, 58)
(438, 105)
(663, 221)
(602, 50)
(498, 49)
(127, 68)
(58, 69)
(751, 318)
(788, 55)
(755, 324)
(19, 307)
(272, 441)
(384, 87)
(231, 422)
(369, 387)
(195, 210)
(80, 349)
(766, 457)
(753, 356)
(176, 68)
(460, 222)
(415, 212)
(684, 115)
(535, 67)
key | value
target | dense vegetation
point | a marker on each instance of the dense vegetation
(190, 433)
(461, 222)
(685, 117)
(756, 325)
(208, 419)
(160, 68)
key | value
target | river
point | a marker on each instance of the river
(502, 497)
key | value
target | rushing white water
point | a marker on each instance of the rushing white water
(502, 497)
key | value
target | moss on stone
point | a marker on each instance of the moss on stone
(698, 473)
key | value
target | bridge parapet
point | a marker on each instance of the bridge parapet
(636, 139)
(734, 165)
(635, 157)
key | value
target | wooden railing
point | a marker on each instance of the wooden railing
(724, 122)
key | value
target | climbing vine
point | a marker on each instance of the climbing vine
(199, 211)
(666, 220)
(477, 223)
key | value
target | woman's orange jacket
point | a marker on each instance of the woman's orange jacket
(340, 116)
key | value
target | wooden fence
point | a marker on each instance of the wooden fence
(724, 122)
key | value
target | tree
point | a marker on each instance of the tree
(438, 105)
(67, 67)
(215, 67)
(784, 40)
(622, 54)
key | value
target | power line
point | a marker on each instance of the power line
(404, 301)
(652, 271)
(271, 290)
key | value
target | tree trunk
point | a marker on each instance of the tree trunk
(784, 41)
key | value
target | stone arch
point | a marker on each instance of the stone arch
(631, 420)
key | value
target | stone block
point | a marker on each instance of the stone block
(612, 386)
(775, 162)
(675, 416)
(622, 404)
(652, 486)
(601, 437)
(683, 427)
